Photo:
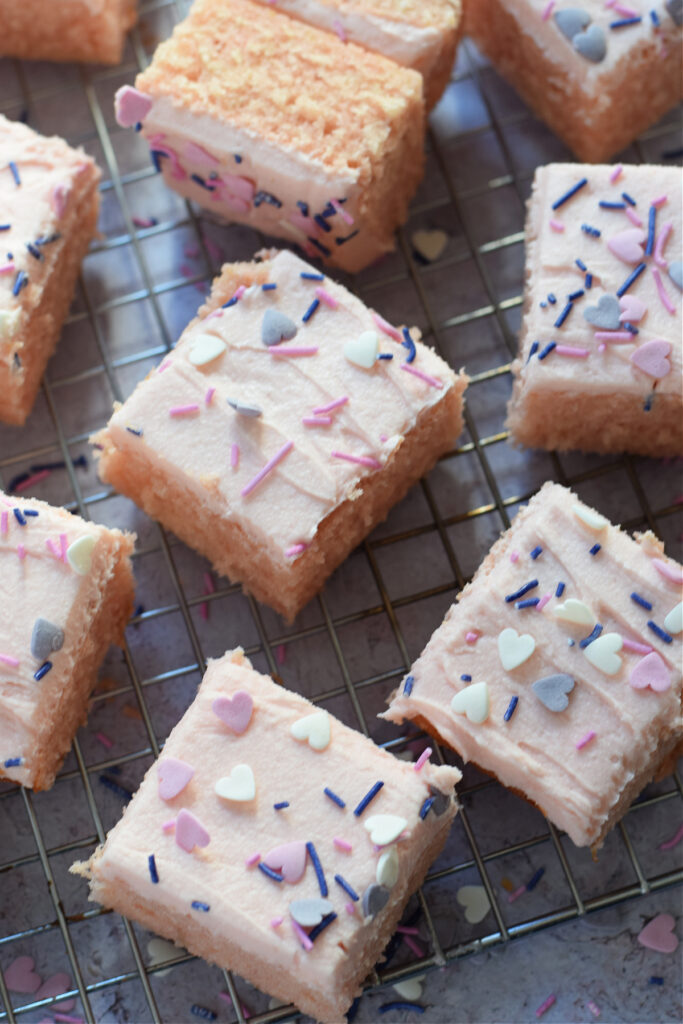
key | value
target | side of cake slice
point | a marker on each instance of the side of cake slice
(273, 840)
(66, 30)
(282, 428)
(559, 669)
(268, 121)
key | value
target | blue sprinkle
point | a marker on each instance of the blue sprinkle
(198, 180)
(311, 277)
(651, 220)
(552, 298)
(321, 222)
(594, 550)
(353, 1011)
(661, 633)
(342, 241)
(318, 868)
(266, 197)
(238, 158)
(132, 430)
(530, 602)
(581, 265)
(533, 350)
(568, 195)
(408, 686)
(641, 601)
(34, 250)
(203, 1012)
(42, 671)
(13, 762)
(304, 209)
(514, 701)
(153, 873)
(310, 311)
(319, 245)
(231, 302)
(607, 205)
(633, 276)
(571, 642)
(281, 806)
(426, 806)
(654, 18)
(648, 403)
(656, 980)
(138, 126)
(543, 305)
(5, 227)
(588, 282)
(629, 199)
(535, 879)
(334, 798)
(411, 1007)
(588, 229)
(559, 590)
(549, 347)
(385, 355)
(629, 327)
(269, 287)
(156, 157)
(521, 592)
(31, 512)
(315, 932)
(121, 791)
(409, 344)
(466, 678)
(587, 640)
(198, 905)
(15, 173)
(625, 22)
(564, 314)
(576, 295)
(275, 875)
(340, 880)
(536, 552)
(20, 282)
(370, 795)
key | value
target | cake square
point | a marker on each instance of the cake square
(282, 428)
(268, 121)
(559, 669)
(67, 30)
(273, 840)
(601, 342)
(598, 77)
(48, 212)
(419, 34)
(66, 588)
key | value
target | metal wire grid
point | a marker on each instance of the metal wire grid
(61, 444)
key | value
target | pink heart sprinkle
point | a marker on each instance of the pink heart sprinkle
(653, 358)
(628, 245)
(174, 775)
(189, 831)
(669, 571)
(651, 671)
(131, 106)
(289, 859)
(20, 976)
(55, 986)
(235, 712)
(633, 309)
(658, 934)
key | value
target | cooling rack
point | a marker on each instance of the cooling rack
(141, 283)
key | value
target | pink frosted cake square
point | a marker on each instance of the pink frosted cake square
(282, 428)
(66, 30)
(273, 840)
(48, 212)
(559, 669)
(66, 589)
(601, 343)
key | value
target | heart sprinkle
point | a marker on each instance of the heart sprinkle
(189, 831)
(289, 859)
(473, 701)
(314, 728)
(363, 350)
(387, 868)
(602, 653)
(384, 828)
(476, 902)
(651, 671)
(45, 639)
(173, 776)
(310, 912)
(239, 786)
(659, 935)
(514, 649)
(653, 358)
(552, 691)
(235, 712)
(590, 517)
(375, 898)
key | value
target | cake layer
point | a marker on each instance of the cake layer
(601, 343)
(268, 121)
(66, 30)
(559, 669)
(271, 839)
(276, 459)
(66, 588)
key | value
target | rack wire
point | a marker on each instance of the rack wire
(376, 613)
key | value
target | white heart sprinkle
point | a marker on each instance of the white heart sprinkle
(239, 785)
(315, 728)
(590, 517)
(363, 351)
(574, 611)
(673, 623)
(429, 244)
(473, 701)
(410, 989)
(603, 653)
(79, 554)
(476, 902)
(160, 952)
(384, 828)
(387, 868)
(205, 349)
(310, 912)
(514, 649)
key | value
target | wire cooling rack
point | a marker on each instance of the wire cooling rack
(141, 283)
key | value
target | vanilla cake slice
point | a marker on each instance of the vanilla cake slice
(266, 120)
(281, 429)
(273, 840)
(559, 668)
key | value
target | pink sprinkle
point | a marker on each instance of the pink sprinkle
(204, 611)
(595, 1010)
(514, 896)
(602, 347)
(63, 545)
(183, 410)
(59, 194)
(317, 421)
(276, 922)
(4, 519)
(321, 409)
(215, 313)
(633, 217)
(543, 602)
(546, 1005)
(404, 929)
(325, 297)
(104, 740)
(471, 637)
(239, 292)
(185, 270)
(33, 479)
(674, 841)
(616, 173)
(666, 301)
(635, 648)
(21, 552)
(548, 10)
(254, 859)
(662, 239)
(143, 222)
(7, 659)
(360, 460)
(556, 225)
(385, 326)
(412, 944)
(422, 759)
(514, 556)
(168, 826)
(339, 29)
(191, 251)
(295, 549)
(6, 268)
(344, 214)
(342, 844)
(614, 336)
(280, 654)
(209, 585)
(626, 12)
(293, 350)
(164, 365)
(571, 352)
(350, 907)
(209, 395)
(269, 466)
(302, 936)
(659, 201)
(234, 456)
(590, 735)
(422, 375)
(52, 548)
